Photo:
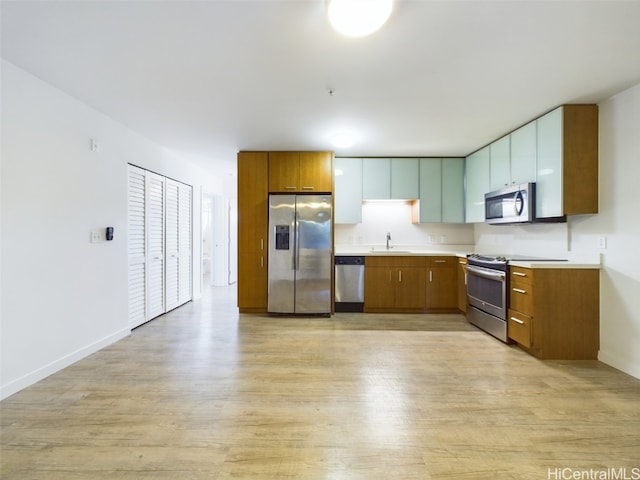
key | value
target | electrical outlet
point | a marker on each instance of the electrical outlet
(602, 242)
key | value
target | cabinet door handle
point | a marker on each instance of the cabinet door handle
(261, 261)
(431, 275)
(439, 261)
(519, 274)
(399, 276)
(519, 290)
(390, 279)
(262, 244)
(517, 320)
(307, 188)
(290, 188)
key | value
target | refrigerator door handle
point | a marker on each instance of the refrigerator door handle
(296, 241)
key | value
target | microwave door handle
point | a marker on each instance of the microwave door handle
(518, 203)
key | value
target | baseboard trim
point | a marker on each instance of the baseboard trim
(619, 364)
(57, 365)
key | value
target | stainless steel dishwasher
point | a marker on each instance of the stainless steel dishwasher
(349, 284)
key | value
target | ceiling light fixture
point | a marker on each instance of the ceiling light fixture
(358, 18)
(343, 140)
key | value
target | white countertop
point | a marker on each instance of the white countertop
(403, 250)
(457, 251)
(568, 264)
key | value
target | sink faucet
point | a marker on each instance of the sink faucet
(388, 239)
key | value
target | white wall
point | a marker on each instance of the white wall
(63, 297)
(380, 218)
(619, 221)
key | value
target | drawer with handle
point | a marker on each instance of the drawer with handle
(441, 261)
(521, 275)
(521, 297)
(519, 328)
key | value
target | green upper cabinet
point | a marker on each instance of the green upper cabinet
(376, 178)
(477, 184)
(567, 169)
(430, 190)
(390, 178)
(513, 158)
(523, 154)
(499, 164)
(441, 190)
(549, 184)
(348, 190)
(405, 181)
(453, 190)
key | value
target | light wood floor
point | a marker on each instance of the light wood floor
(203, 393)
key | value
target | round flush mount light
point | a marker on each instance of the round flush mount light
(343, 140)
(358, 18)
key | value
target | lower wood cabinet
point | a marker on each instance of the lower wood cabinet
(442, 283)
(462, 284)
(394, 284)
(554, 313)
(412, 284)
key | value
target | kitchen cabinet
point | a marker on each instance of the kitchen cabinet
(513, 158)
(567, 161)
(390, 178)
(394, 284)
(477, 184)
(523, 154)
(441, 190)
(499, 164)
(253, 194)
(462, 284)
(295, 172)
(348, 191)
(442, 283)
(554, 313)
(376, 178)
(405, 182)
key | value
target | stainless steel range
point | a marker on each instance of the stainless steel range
(487, 287)
(488, 291)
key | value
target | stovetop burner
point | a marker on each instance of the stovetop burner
(500, 262)
(513, 258)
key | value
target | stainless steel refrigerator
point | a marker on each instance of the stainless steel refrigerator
(300, 246)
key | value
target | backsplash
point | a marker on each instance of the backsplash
(547, 240)
(380, 218)
(537, 240)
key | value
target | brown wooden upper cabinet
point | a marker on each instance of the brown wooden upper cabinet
(301, 172)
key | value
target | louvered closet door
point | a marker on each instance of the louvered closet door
(136, 246)
(155, 245)
(185, 199)
(171, 243)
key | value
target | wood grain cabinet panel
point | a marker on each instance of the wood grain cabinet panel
(301, 172)
(442, 283)
(558, 315)
(252, 230)
(394, 284)
(519, 327)
(462, 284)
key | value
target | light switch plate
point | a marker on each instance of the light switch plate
(602, 242)
(97, 235)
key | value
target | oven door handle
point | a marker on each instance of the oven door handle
(486, 273)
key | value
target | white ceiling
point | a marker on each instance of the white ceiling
(209, 78)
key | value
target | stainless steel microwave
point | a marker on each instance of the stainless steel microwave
(515, 204)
